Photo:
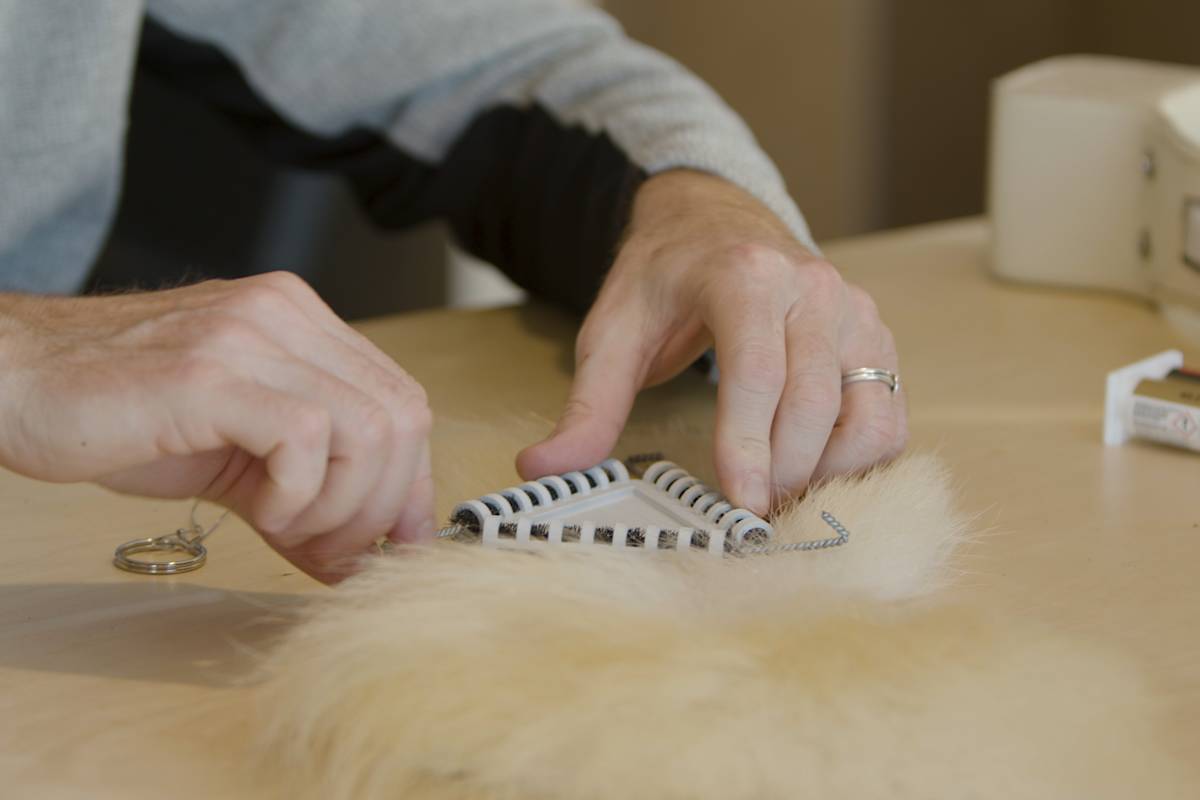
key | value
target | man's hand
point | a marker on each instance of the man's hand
(251, 393)
(703, 261)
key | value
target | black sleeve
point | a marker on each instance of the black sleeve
(544, 202)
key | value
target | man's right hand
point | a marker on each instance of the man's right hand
(251, 393)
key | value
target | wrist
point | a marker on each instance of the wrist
(22, 318)
(688, 193)
(707, 207)
(678, 189)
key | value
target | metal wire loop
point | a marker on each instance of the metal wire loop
(187, 541)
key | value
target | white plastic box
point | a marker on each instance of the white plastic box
(1094, 179)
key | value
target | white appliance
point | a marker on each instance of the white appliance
(1095, 179)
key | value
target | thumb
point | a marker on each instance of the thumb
(608, 376)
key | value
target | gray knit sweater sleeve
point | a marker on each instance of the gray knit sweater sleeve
(420, 75)
(420, 70)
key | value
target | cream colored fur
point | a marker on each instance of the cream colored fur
(458, 672)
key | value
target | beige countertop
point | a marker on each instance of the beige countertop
(118, 685)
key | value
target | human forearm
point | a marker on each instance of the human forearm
(529, 124)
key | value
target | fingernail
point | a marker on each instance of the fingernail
(754, 493)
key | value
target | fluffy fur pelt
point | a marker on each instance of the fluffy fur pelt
(453, 671)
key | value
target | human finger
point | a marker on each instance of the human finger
(872, 426)
(809, 405)
(610, 367)
(416, 522)
(748, 330)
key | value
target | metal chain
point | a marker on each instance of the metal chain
(843, 536)
(197, 531)
(187, 539)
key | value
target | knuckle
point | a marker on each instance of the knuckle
(863, 304)
(226, 333)
(589, 335)
(881, 438)
(756, 269)
(877, 437)
(806, 418)
(415, 394)
(415, 420)
(743, 449)
(392, 390)
(310, 426)
(417, 423)
(580, 408)
(759, 366)
(579, 411)
(587, 345)
(757, 257)
(374, 425)
(609, 337)
(196, 369)
(754, 445)
(822, 281)
(814, 387)
(817, 399)
(258, 299)
(282, 281)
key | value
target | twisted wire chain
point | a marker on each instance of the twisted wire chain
(189, 539)
(843, 536)
(197, 533)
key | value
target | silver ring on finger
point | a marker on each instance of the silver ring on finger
(863, 374)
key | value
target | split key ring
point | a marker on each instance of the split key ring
(185, 541)
(177, 542)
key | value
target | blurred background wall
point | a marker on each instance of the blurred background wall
(875, 111)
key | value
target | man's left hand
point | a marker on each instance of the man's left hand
(705, 263)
